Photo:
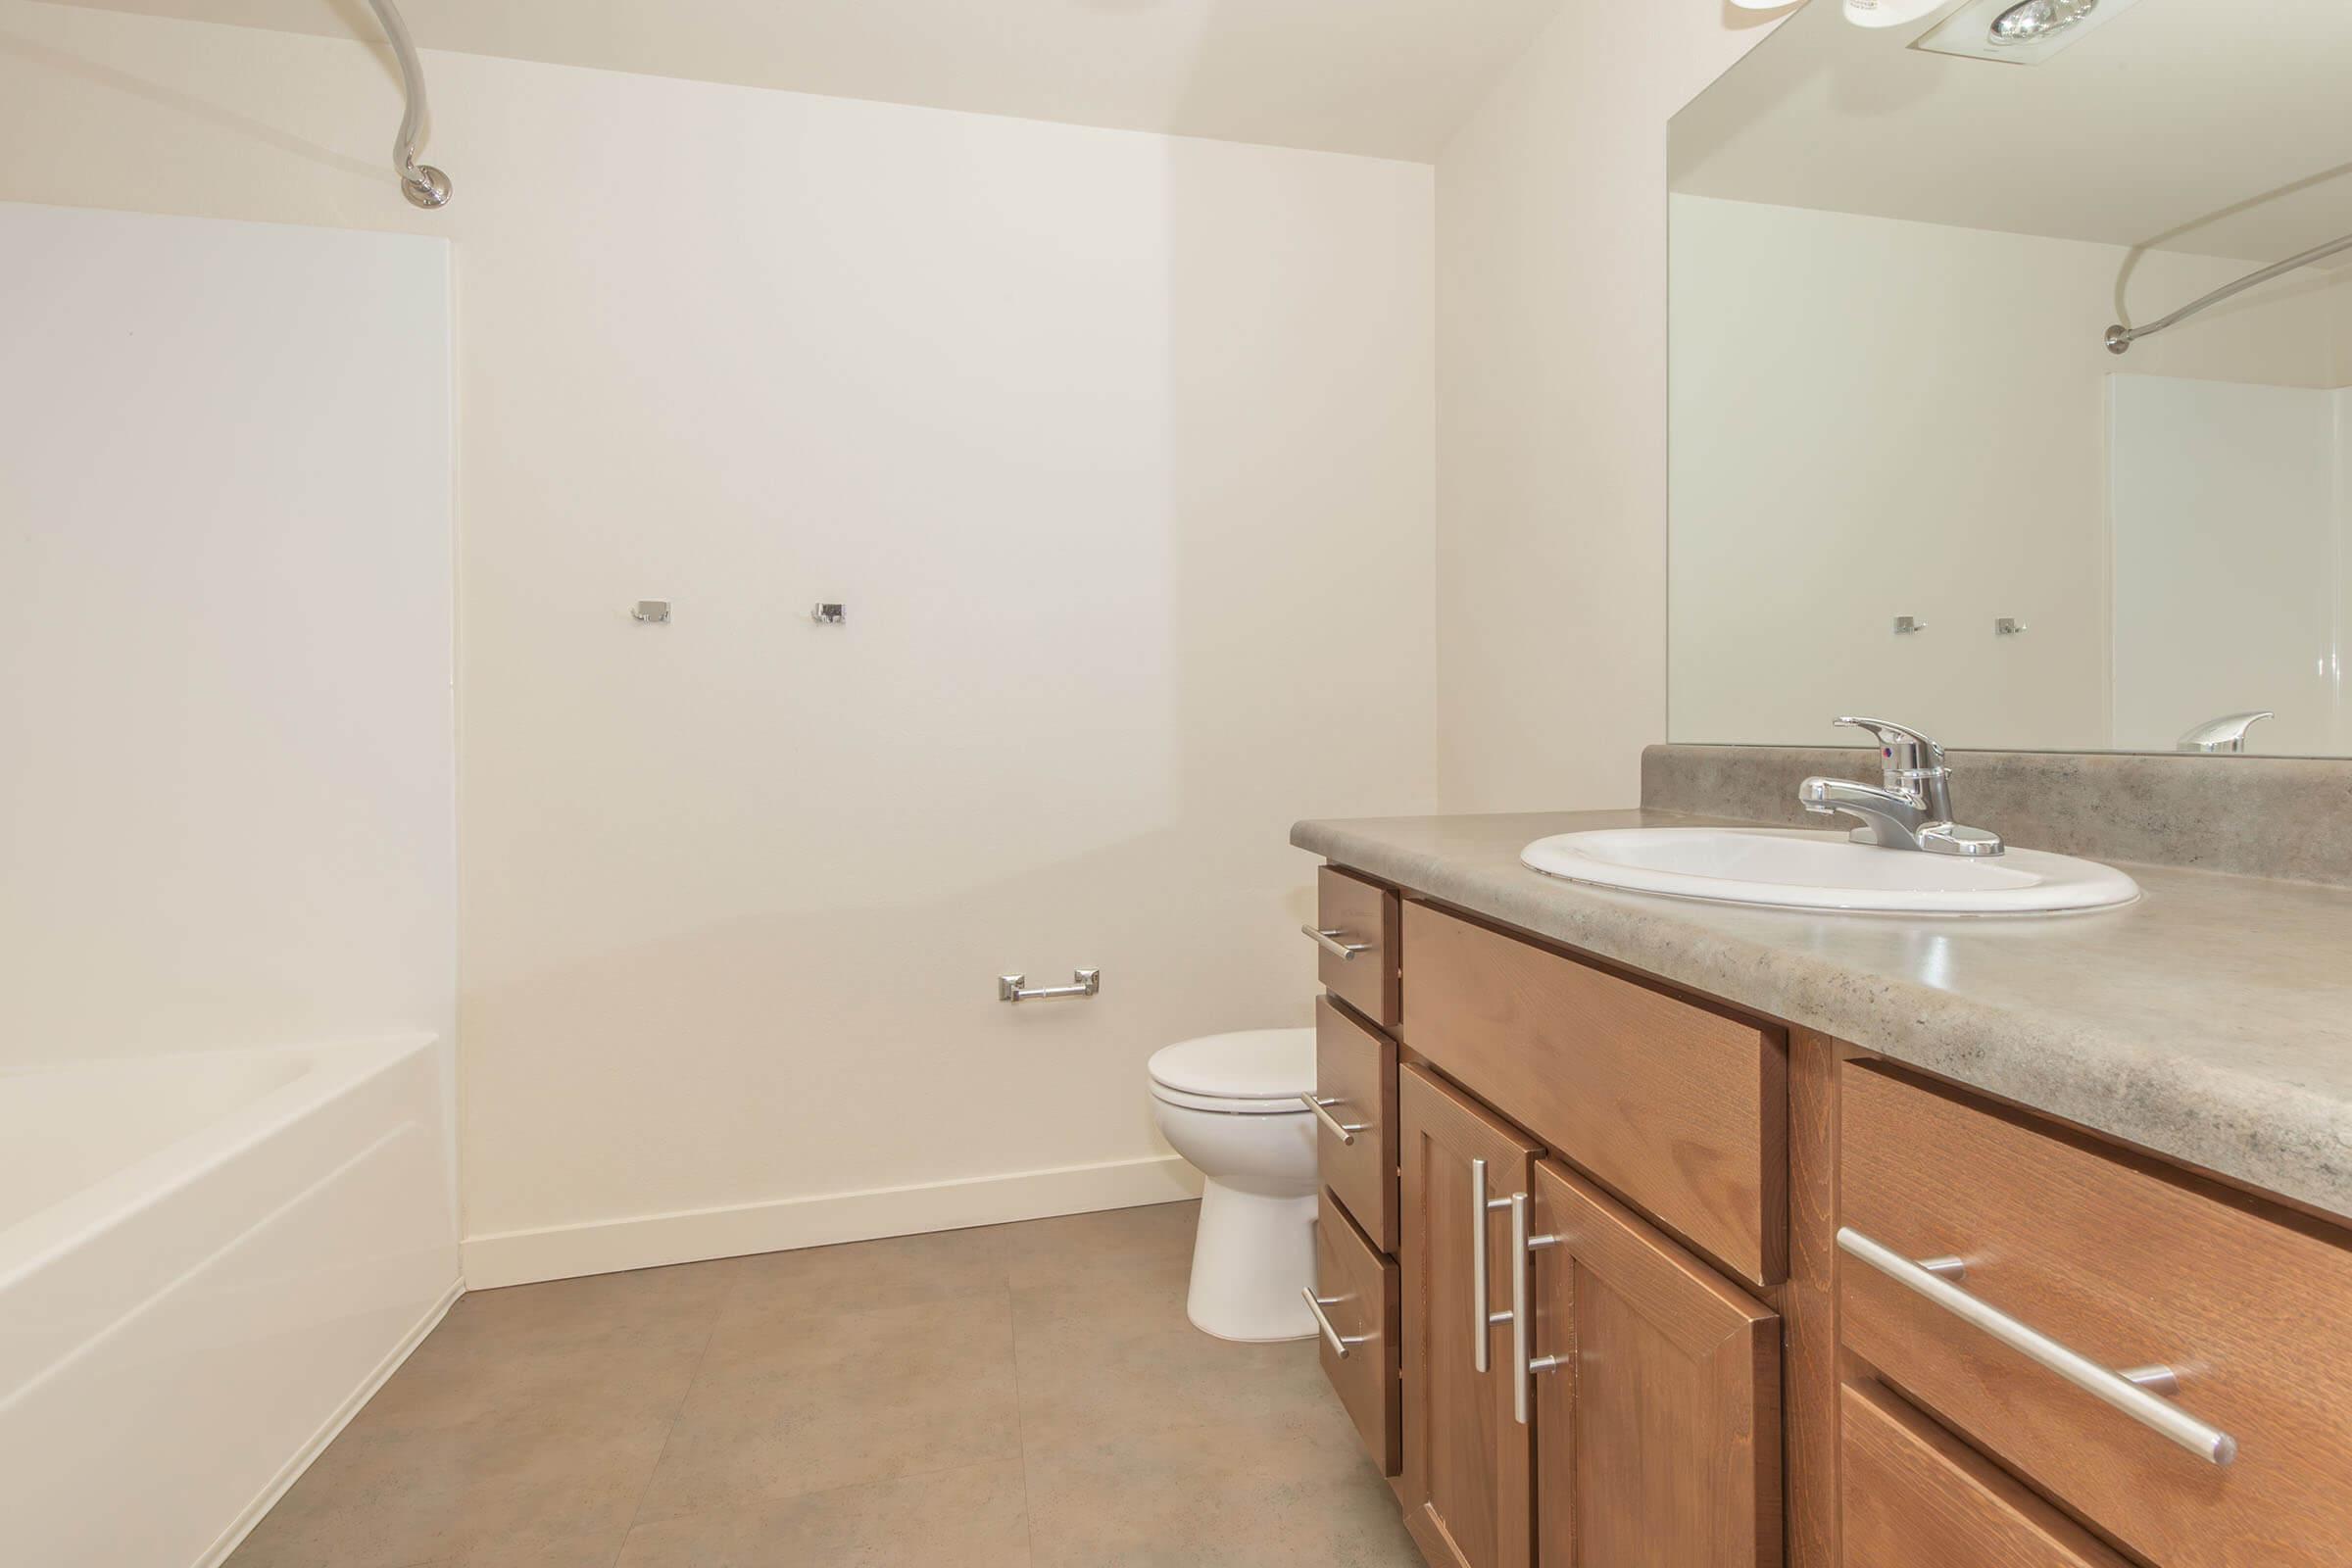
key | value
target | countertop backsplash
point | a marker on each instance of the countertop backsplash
(2271, 816)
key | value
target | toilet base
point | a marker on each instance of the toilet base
(1251, 1258)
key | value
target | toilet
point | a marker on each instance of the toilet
(1231, 1104)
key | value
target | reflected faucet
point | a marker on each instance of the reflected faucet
(1911, 809)
(2225, 734)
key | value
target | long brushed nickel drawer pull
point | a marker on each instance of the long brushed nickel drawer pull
(1337, 1342)
(1336, 943)
(2126, 1391)
(1343, 1131)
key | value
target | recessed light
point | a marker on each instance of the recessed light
(2031, 20)
(2021, 32)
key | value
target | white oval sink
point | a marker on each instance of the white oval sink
(1791, 868)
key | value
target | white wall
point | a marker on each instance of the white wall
(2229, 530)
(1117, 447)
(1875, 417)
(226, 797)
(1551, 429)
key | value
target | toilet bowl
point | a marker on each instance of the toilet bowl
(1230, 1104)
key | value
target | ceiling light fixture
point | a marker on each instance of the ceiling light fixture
(2033, 21)
(2020, 32)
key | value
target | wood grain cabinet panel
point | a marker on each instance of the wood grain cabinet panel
(1679, 1108)
(1355, 1077)
(1356, 1287)
(1467, 1479)
(1915, 1497)
(1361, 914)
(2127, 1264)
(1658, 1429)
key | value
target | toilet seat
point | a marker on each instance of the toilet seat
(1257, 1072)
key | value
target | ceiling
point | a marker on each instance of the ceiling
(2213, 127)
(1387, 78)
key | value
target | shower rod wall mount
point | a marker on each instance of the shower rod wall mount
(421, 183)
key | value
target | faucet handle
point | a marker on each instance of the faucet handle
(1907, 755)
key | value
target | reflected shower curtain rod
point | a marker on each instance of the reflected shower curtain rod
(421, 183)
(2120, 337)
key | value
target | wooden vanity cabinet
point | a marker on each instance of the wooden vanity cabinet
(1733, 1359)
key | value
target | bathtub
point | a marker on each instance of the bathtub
(208, 1261)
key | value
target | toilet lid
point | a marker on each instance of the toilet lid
(1254, 1064)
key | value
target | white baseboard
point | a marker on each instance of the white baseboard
(607, 1246)
(283, 1482)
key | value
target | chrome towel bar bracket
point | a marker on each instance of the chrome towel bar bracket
(1083, 983)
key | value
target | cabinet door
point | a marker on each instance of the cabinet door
(1467, 1461)
(1657, 1398)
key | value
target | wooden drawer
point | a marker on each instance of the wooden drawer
(1356, 1288)
(1361, 914)
(1915, 1497)
(1681, 1109)
(1355, 1076)
(2128, 1264)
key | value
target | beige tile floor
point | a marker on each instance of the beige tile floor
(1022, 1395)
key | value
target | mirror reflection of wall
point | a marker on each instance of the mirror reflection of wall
(1891, 276)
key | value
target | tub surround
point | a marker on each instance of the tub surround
(2205, 1023)
(2264, 817)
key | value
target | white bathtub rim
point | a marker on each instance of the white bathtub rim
(41, 1238)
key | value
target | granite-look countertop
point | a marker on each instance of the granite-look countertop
(2211, 1021)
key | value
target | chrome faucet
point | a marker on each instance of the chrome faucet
(1911, 809)
(2225, 734)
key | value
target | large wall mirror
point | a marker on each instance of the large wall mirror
(1910, 476)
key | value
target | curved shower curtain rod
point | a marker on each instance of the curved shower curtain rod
(421, 183)
(2120, 337)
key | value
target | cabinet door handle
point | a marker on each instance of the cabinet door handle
(1336, 943)
(1524, 1363)
(1337, 1342)
(1343, 1131)
(1482, 1318)
(2126, 1391)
